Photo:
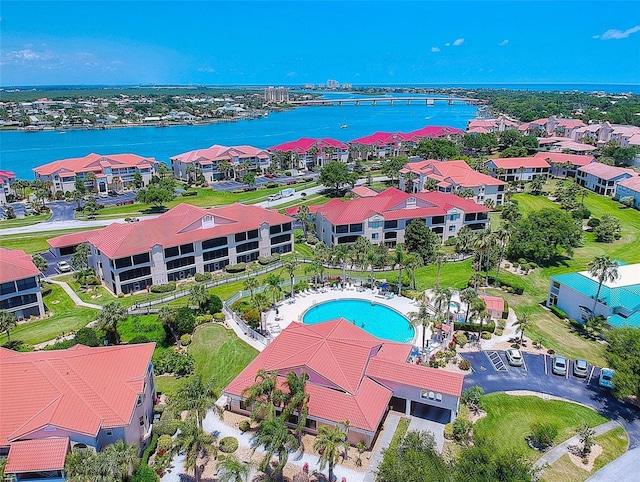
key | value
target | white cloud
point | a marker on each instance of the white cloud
(447, 44)
(25, 55)
(503, 43)
(615, 34)
(435, 49)
(291, 74)
(209, 70)
(458, 42)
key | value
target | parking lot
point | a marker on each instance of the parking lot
(231, 185)
(491, 371)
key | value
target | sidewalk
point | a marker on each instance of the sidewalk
(72, 294)
(559, 450)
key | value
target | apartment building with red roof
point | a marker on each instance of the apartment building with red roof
(518, 168)
(450, 177)
(6, 178)
(565, 165)
(20, 284)
(551, 126)
(389, 144)
(629, 188)
(603, 179)
(383, 218)
(308, 153)
(51, 401)
(239, 160)
(352, 376)
(112, 172)
(181, 242)
(486, 126)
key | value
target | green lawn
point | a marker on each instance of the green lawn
(141, 325)
(206, 197)
(613, 443)
(33, 243)
(26, 221)
(219, 355)
(66, 317)
(509, 419)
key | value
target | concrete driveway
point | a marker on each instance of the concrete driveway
(61, 211)
(533, 377)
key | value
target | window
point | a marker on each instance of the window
(437, 220)
(391, 224)
(139, 401)
(215, 254)
(253, 234)
(341, 229)
(25, 284)
(141, 258)
(454, 217)
(179, 263)
(171, 252)
(374, 224)
(281, 239)
(452, 229)
(214, 243)
(375, 235)
(286, 227)
(391, 235)
(556, 285)
(142, 421)
(135, 273)
(241, 237)
(186, 248)
(9, 287)
(241, 248)
(275, 229)
(355, 228)
(123, 262)
(109, 433)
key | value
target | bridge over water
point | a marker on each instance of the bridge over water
(388, 101)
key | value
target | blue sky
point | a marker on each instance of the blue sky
(296, 42)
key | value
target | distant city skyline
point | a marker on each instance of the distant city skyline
(295, 42)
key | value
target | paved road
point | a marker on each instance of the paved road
(624, 468)
(533, 377)
(60, 211)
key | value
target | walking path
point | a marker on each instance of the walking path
(390, 426)
(559, 450)
(72, 294)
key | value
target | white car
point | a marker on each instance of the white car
(514, 357)
(63, 266)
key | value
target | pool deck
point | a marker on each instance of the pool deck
(291, 311)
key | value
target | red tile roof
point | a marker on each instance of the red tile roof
(304, 144)
(494, 303)
(221, 153)
(391, 204)
(15, 264)
(180, 225)
(606, 172)
(7, 176)
(337, 355)
(71, 239)
(378, 139)
(632, 183)
(517, 162)
(364, 191)
(37, 455)
(436, 131)
(458, 173)
(94, 162)
(70, 389)
(559, 157)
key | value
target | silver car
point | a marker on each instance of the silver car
(559, 365)
(514, 357)
(63, 266)
(580, 368)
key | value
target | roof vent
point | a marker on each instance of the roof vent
(207, 221)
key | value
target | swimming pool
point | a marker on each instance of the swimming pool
(379, 320)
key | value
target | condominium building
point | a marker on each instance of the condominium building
(565, 165)
(19, 284)
(384, 218)
(518, 168)
(183, 241)
(220, 162)
(602, 178)
(307, 153)
(451, 176)
(82, 397)
(99, 173)
(6, 178)
(276, 94)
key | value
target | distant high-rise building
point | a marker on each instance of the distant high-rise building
(347, 86)
(276, 94)
(308, 86)
(332, 84)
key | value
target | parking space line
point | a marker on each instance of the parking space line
(545, 364)
(524, 364)
(566, 375)
(591, 374)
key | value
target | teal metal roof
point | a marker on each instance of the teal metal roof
(627, 297)
(618, 321)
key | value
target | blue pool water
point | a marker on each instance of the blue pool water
(379, 321)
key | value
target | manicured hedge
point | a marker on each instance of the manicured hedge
(264, 260)
(189, 193)
(171, 286)
(475, 327)
(558, 312)
(236, 268)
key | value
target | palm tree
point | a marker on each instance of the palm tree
(251, 284)
(264, 395)
(125, 457)
(273, 282)
(502, 235)
(199, 295)
(79, 466)
(422, 318)
(224, 167)
(400, 260)
(290, 265)
(231, 469)
(373, 258)
(603, 269)
(7, 321)
(196, 396)
(339, 255)
(522, 323)
(414, 262)
(274, 437)
(467, 296)
(331, 443)
(439, 258)
(302, 216)
(296, 400)
(109, 317)
(443, 297)
(196, 444)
